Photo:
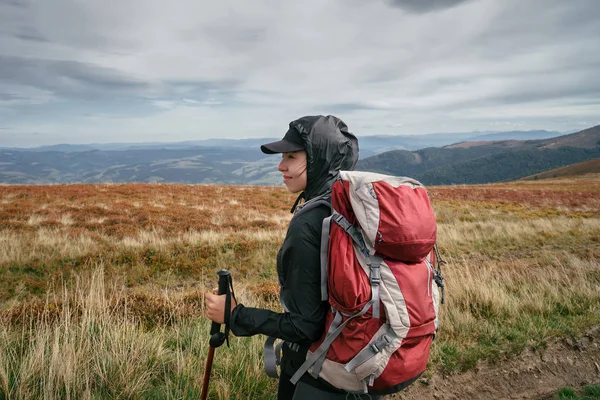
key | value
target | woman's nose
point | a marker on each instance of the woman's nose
(281, 167)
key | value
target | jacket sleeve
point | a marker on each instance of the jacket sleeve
(301, 279)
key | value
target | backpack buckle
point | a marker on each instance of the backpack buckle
(375, 275)
(341, 221)
(375, 280)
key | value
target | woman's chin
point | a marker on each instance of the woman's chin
(292, 189)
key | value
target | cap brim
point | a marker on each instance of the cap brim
(280, 146)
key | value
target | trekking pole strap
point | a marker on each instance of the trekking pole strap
(229, 294)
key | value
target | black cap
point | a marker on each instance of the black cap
(291, 142)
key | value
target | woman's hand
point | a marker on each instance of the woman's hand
(215, 307)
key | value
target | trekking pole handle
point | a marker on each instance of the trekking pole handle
(216, 336)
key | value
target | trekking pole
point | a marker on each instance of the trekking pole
(217, 338)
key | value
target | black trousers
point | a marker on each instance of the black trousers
(286, 389)
(303, 391)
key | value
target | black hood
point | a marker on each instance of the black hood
(330, 148)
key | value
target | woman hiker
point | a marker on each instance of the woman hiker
(314, 150)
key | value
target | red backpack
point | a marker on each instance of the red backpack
(379, 278)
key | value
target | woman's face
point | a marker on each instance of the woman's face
(293, 168)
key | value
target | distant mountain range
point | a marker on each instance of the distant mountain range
(240, 162)
(479, 161)
(193, 165)
(369, 145)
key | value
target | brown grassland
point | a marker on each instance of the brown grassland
(102, 285)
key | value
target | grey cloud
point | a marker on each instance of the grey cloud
(14, 3)
(32, 34)
(345, 107)
(385, 73)
(9, 97)
(555, 22)
(586, 89)
(510, 63)
(234, 39)
(45, 21)
(199, 85)
(535, 96)
(425, 6)
(355, 106)
(67, 78)
(206, 93)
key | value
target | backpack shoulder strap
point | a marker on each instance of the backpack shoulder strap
(326, 224)
(325, 227)
(313, 203)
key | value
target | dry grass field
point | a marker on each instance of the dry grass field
(102, 285)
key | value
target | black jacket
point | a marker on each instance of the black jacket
(330, 148)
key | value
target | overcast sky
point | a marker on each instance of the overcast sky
(83, 71)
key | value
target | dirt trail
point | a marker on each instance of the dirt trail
(531, 375)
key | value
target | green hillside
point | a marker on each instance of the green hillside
(582, 168)
(410, 163)
(505, 166)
